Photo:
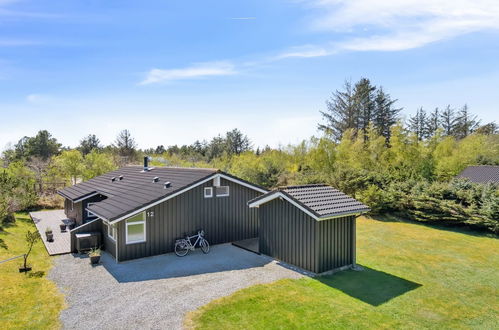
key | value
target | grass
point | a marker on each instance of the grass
(415, 276)
(27, 301)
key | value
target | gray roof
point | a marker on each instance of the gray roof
(135, 190)
(481, 174)
(321, 200)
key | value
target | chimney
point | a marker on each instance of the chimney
(146, 163)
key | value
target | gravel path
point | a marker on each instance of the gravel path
(156, 292)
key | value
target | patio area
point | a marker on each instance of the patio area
(44, 219)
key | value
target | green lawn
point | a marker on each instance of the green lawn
(415, 276)
(26, 302)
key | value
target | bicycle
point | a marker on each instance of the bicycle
(184, 245)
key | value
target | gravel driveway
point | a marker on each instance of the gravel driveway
(156, 292)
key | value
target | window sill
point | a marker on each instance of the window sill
(137, 242)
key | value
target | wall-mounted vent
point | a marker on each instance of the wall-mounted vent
(113, 179)
(156, 179)
(120, 177)
(167, 184)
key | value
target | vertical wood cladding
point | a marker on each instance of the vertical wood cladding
(290, 235)
(224, 219)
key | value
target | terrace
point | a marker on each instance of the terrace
(61, 243)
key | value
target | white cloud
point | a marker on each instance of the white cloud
(200, 70)
(37, 98)
(243, 18)
(394, 25)
(305, 52)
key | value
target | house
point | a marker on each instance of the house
(311, 226)
(140, 211)
(481, 174)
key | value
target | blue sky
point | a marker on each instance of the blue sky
(176, 71)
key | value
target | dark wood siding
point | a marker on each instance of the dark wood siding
(224, 219)
(336, 246)
(108, 243)
(70, 210)
(290, 235)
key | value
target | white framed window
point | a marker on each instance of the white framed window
(222, 191)
(111, 231)
(136, 228)
(208, 192)
(90, 215)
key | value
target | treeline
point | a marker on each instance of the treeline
(366, 151)
(234, 142)
(360, 105)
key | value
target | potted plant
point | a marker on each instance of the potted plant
(49, 234)
(63, 227)
(31, 238)
(94, 255)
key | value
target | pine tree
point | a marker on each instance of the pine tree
(341, 113)
(89, 143)
(466, 123)
(433, 122)
(448, 121)
(418, 124)
(363, 95)
(385, 115)
(237, 142)
(126, 145)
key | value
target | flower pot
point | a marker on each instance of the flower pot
(63, 227)
(94, 260)
(50, 236)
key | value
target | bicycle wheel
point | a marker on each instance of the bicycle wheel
(205, 246)
(181, 248)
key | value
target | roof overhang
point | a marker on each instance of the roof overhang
(81, 198)
(179, 192)
(279, 194)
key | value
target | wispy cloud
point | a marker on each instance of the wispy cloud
(243, 18)
(19, 42)
(394, 25)
(305, 52)
(200, 70)
(15, 14)
(38, 98)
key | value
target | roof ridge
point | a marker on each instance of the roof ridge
(175, 167)
(303, 186)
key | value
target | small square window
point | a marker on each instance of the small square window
(111, 231)
(208, 192)
(222, 191)
(90, 215)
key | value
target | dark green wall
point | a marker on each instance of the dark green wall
(290, 235)
(109, 244)
(224, 219)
